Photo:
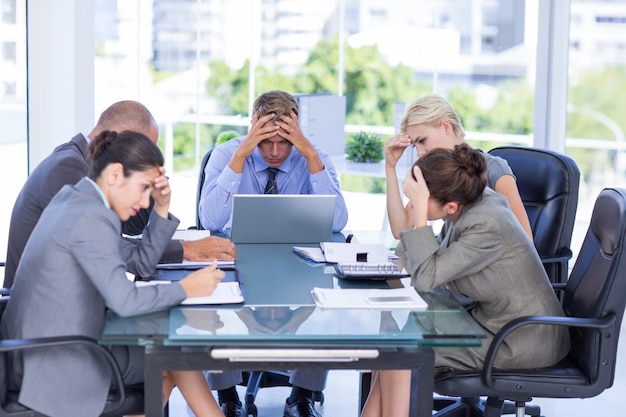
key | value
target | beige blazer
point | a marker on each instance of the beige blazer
(485, 255)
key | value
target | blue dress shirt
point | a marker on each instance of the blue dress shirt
(221, 182)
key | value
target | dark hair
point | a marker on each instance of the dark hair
(457, 174)
(132, 149)
(275, 101)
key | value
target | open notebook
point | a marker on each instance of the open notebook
(228, 291)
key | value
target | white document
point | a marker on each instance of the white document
(370, 298)
(225, 293)
(185, 264)
(190, 234)
(313, 254)
(354, 252)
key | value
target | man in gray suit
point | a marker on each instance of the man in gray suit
(68, 163)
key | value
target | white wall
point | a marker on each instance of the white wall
(60, 73)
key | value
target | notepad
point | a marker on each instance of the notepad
(228, 290)
(369, 298)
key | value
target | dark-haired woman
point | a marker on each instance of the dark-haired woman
(483, 253)
(74, 268)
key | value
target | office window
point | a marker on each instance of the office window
(190, 62)
(9, 11)
(595, 114)
(9, 52)
(13, 158)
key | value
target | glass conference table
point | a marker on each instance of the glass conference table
(280, 328)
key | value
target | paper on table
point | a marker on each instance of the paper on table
(185, 264)
(225, 293)
(314, 254)
(370, 298)
(354, 252)
(190, 234)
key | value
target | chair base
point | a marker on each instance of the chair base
(477, 407)
(262, 379)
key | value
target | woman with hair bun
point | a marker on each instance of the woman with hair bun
(483, 253)
(74, 268)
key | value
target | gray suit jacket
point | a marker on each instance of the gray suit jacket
(71, 271)
(67, 164)
(486, 256)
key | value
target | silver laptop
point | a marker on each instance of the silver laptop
(282, 218)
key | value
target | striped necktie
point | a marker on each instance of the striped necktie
(271, 187)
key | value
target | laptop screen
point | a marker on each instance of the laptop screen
(282, 218)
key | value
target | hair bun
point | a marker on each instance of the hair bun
(472, 160)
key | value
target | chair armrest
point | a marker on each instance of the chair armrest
(563, 255)
(5, 296)
(605, 323)
(11, 345)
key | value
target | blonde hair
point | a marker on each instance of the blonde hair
(431, 110)
(276, 101)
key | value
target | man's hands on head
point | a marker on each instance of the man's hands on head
(290, 130)
(208, 249)
(259, 131)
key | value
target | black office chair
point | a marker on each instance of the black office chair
(593, 301)
(126, 401)
(201, 178)
(548, 184)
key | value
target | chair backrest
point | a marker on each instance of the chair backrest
(201, 177)
(548, 184)
(596, 288)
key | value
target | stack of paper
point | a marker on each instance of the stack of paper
(370, 298)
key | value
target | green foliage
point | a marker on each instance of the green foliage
(372, 87)
(361, 184)
(230, 87)
(225, 136)
(595, 112)
(365, 147)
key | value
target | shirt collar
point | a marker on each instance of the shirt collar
(104, 199)
(260, 164)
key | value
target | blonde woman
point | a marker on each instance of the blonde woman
(429, 123)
